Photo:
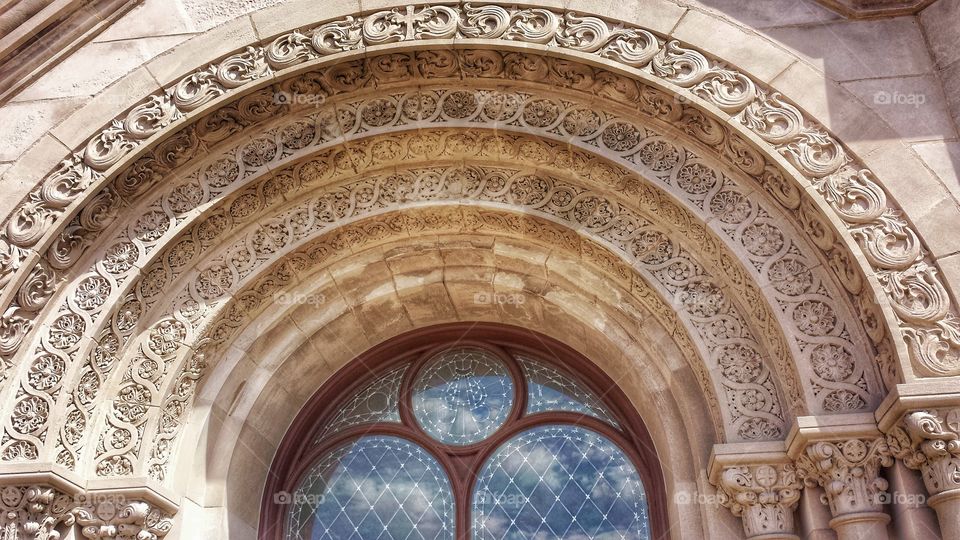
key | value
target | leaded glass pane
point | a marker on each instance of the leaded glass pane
(376, 402)
(378, 487)
(551, 390)
(463, 396)
(559, 482)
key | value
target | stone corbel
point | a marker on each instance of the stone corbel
(759, 484)
(844, 455)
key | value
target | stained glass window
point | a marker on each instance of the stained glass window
(559, 482)
(550, 390)
(376, 402)
(377, 487)
(534, 473)
(463, 396)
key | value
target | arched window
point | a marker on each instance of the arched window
(479, 434)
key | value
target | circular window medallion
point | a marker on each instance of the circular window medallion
(462, 396)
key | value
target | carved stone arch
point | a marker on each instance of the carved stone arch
(258, 148)
(869, 248)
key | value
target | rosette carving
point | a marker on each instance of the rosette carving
(888, 240)
(763, 496)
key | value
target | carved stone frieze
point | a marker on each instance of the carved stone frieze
(814, 152)
(763, 496)
(750, 227)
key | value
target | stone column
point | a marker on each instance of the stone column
(764, 497)
(849, 473)
(929, 440)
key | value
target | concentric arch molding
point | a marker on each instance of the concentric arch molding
(888, 243)
(227, 316)
(511, 149)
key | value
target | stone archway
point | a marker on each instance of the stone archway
(773, 259)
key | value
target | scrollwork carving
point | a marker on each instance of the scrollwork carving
(763, 496)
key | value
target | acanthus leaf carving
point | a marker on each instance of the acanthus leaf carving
(849, 473)
(763, 496)
(929, 441)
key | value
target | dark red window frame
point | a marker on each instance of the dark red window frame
(298, 453)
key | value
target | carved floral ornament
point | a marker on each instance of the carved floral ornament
(42, 512)
(695, 181)
(739, 361)
(63, 342)
(888, 243)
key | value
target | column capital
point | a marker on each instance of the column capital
(764, 496)
(849, 473)
(929, 440)
(34, 511)
(114, 516)
(41, 511)
(758, 483)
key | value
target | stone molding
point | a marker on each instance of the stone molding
(49, 36)
(905, 272)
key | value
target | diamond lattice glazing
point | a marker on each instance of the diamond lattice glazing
(377, 487)
(551, 390)
(559, 482)
(376, 402)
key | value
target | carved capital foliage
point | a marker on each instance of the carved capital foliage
(849, 473)
(34, 512)
(763, 496)
(929, 440)
(121, 519)
(41, 512)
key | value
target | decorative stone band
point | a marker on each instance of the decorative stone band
(72, 193)
(762, 488)
(46, 510)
